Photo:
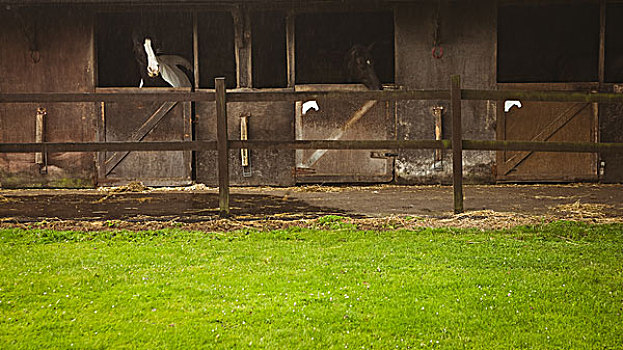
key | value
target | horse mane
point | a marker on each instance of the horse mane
(172, 72)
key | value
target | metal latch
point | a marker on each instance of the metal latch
(41, 158)
(438, 113)
(302, 171)
(244, 152)
(382, 155)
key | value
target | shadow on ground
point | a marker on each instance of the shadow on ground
(182, 207)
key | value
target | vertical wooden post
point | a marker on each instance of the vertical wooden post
(222, 147)
(290, 45)
(457, 143)
(196, 49)
(100, 133)
(602, 42)
(242, 42)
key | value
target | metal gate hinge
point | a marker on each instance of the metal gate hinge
(382, 155)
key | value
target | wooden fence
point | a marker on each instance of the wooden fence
(456, 94)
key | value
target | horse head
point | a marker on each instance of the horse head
(145, 47)
(360, 66)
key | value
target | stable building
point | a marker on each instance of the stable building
(261, 45)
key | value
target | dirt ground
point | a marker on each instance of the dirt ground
(376, 207)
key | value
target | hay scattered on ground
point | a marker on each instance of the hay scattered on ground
(4, 199)
(207, 220)
(483, 220)
(578, 209)
(347, 188)
(134, 186)
(191, 188)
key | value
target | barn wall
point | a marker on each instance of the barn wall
(611, 115)
(468, 40)
(610, 129)
(65, 65)
(266, 121)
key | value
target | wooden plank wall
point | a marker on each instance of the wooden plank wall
(345, 120)
(64, 63)
(468, 37)
(266, 121)
(611, 130)
(129, 121)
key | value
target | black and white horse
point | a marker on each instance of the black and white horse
(157, 69)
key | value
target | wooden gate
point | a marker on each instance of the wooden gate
(547, 121)
(259, 167)
(150, 121)
(344, 120)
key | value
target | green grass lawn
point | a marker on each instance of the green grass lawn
(552, 286)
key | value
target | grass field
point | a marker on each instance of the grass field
(554, 286)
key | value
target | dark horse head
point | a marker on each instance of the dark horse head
(360, 66)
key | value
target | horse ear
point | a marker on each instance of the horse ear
(371, 46)
(136, 37)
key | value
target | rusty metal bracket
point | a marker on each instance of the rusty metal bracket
(304, 171)
(244, 152)
(383, 155)
(41, 158)
(438, 115)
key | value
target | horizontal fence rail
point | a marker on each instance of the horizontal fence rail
(455, 95)
(292, 96)
(468, 145)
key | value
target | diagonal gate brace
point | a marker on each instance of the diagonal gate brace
(339, 133)
(547, 132)
(140, 134)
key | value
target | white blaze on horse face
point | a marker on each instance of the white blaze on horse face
(153, 69)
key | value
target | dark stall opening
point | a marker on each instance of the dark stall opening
(116, 64)
(614, 43)
(268, 31)
(216, 49)
(548, 43)
(323, 39)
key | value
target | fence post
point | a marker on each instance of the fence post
(457, 143)
(222, 147)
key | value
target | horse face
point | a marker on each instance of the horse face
(145, 48)
(360, 66)
(153, 68)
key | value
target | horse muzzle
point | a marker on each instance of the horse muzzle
(153, 72)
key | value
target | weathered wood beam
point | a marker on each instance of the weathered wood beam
(232, 96)
(468, 145)
(222, 147)
(107, 97)
(290, 47)
(546, 132)
(139, 134)
(542, 96)
(289, 96)
(457, 143)
(601, 64)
